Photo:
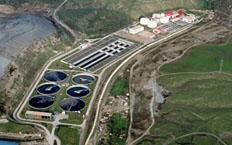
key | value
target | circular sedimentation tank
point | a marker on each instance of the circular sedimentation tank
(48, 88)
(72, 105)
(55, 76)
(83, 79)
(78, 91)
(41, 101)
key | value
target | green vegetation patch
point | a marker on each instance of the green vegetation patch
(68, 135)
(201, 98)
(203, 59)
(16, 128)
(199, 103)
(120, 86)
(94, 21)
(119, 127)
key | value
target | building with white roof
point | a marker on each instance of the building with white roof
(38, 115)
(189, 18)
(136, 29)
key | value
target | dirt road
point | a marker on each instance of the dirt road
(63, 24)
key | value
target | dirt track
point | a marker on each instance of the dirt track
(154, 58)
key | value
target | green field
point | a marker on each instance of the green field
(68, 135)
(117, 130)
(118, 127)
(16, 128)
(120, 86)
(201, 99)
(202, 59)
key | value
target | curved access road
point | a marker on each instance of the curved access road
(16, 114)
(63, 24)
(116, 70)
(195, 133)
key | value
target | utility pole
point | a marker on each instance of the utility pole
(221, 65)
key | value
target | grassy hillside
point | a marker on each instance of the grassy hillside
(17, 3)
(203, 59)
(200, 103)
(200, 100)
(100, 17)
(97, 18)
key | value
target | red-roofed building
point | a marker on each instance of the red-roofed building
(158, 30)
(169, 14)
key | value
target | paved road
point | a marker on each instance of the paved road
(151, 107)
(58, 56)
(115, 71)
(63, 24)
(18, 110)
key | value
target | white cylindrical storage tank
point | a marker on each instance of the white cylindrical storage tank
(164, 20)
(144, 21)
(156, 19)
(156, 15)
(162, 15)
(152, 24)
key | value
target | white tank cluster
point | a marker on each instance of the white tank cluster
(162, 15)
(160, 18)
(148, 22)
(164, 20)
(144, 21)
(152, 24)
(156, 15)
(155, 20)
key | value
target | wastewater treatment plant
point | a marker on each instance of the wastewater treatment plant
(68, 87)
(61, 91)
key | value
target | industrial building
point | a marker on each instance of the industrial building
(38, 115)
(189, 18)
(175, 19)
(136, 29)
(169, 14)
(160, 23)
